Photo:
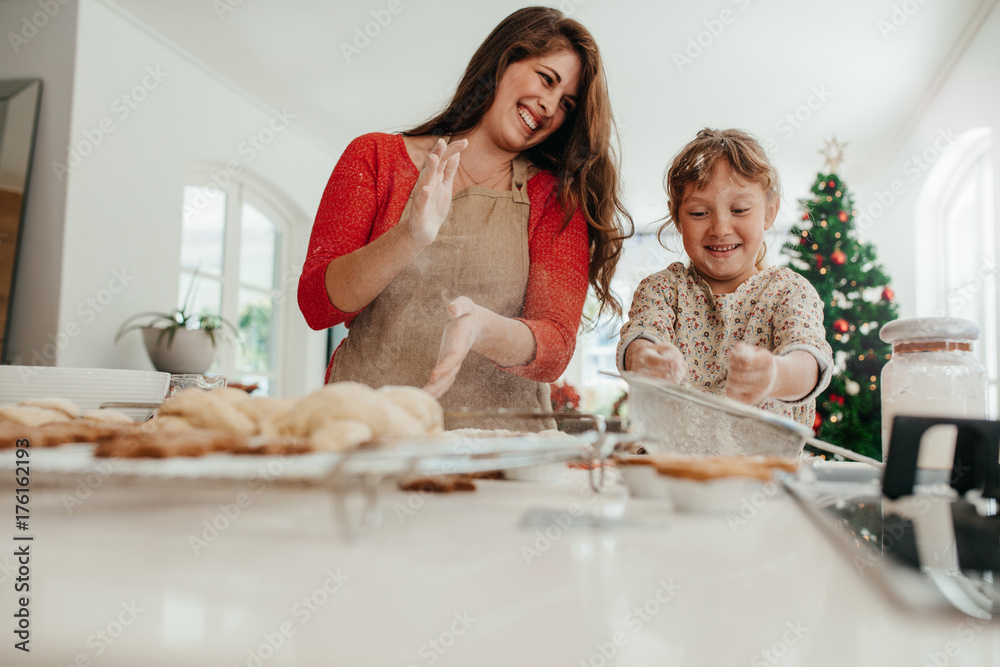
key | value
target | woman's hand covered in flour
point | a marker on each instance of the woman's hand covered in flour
(753, 374)
(432, 193)
(460, 334)
(662, 360)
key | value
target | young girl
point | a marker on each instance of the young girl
(726, 323)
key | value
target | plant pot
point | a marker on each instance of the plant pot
(191, 351)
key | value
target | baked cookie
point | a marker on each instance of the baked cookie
(754, 467)
(438, 484)
(77, 430)
(135, 444)
(11, 432)
(282, 446)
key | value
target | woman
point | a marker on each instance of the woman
(468, 275)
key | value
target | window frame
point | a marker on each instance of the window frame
(967, 162)
(247, 188)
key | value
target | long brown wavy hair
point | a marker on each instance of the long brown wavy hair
(579, 153)
(693, 167)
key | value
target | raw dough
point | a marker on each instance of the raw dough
(67, 407)
(30, 416)
(418, 403)
(206, 409)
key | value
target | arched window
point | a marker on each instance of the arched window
(234, 249)
(957, 244)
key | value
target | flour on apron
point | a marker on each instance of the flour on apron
(481, 251)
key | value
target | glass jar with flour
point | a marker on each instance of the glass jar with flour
(932, 373)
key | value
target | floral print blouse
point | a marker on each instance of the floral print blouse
(776, 309)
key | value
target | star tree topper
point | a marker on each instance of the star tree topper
(834, 153)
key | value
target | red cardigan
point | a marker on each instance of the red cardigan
(365, 197)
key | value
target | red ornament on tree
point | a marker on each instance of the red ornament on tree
(836, 398)
(833, 184)
(838, 257)
(817, 423)
(805, 216)
(842, 216)
(888, 294)
(818, 258)
(841, 326)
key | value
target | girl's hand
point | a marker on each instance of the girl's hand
(460, 334)
(662, 360)
(753, 374)
(433, 190)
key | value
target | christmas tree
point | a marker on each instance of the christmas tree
(857, 301)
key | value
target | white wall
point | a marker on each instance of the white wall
(48, 52)
(123, 219)
(969, 98)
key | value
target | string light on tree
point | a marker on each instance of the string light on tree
(857, 301)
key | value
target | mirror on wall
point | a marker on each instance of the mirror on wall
(19, 102)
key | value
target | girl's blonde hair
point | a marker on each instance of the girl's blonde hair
(693, 167)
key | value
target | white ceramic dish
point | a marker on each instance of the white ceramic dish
(722, 495)
(644, 482)
(89, 388)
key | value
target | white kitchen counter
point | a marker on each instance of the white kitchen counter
(450, 580)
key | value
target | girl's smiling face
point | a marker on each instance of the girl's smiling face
(722, 227)
(533, 99)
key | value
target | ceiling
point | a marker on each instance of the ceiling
(794, 73)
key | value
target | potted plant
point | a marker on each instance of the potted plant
(179, 341)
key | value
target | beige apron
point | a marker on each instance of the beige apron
(481, 251)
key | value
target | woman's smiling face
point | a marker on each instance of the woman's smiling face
(533, 100)
(723, 225)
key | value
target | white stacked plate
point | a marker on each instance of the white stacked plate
(89, 388)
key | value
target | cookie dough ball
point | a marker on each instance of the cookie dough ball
(108, 416)
(167, 424)
(336, 435)
(206, 410)
(231, 395)
(264, 411)
(65, 406)
(27, 415)
(419, 404)
(352, 401)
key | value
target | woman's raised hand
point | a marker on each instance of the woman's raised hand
(662, 360)
(432, 193)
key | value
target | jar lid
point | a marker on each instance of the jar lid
(929, 328)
